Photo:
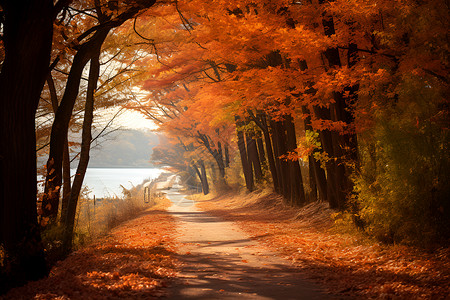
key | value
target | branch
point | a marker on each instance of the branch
(256, 120)
(370, 51)
(60, 5)
(435, 75)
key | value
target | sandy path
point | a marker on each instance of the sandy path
(222, 262)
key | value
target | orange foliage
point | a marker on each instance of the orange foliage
(197, 47)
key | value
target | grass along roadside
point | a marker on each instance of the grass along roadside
(132, 261)
(344, 263)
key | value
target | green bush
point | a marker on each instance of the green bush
(403, 185)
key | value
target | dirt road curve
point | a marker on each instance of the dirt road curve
(221, 262)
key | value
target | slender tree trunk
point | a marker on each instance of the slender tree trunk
(215, 154)
(269, 151)
(345, 146)
(330, 165)
(61, 124)
(313, 196)
(262, 154)
(318, 179)
(297, 191)
(66, 157)
(67, 185)
(279, 138)
(253, 155)
(197, 171)
(246, 167)
(204, 178)
(277, 155)
(27, 36)
(227, 157)
(94, 72)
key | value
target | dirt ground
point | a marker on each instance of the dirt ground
(337, 257)
(136, 260)
(220, 261)
(248, 246)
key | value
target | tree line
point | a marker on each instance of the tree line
(59, 62)
(336, 101)
(324, 100)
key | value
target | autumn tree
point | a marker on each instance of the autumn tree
(27, 39)
(321, 73)
(88, 44)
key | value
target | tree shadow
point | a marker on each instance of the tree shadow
(218, 276)
(112, 271)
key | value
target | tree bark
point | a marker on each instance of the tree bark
(261, 121)
(27, 35)
(204, 178)
(246, 167)
(94, 72)
(253, 155)
(262, 154)
(66, 158)
(215, 154)
(279, 145)
(297, 191)
(64, 113)
(60, 126)
(318, 180)
(67, 185)
(227, 156)
(345, 146)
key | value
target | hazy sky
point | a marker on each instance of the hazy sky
(126, 118)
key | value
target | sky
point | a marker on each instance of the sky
(127, 119)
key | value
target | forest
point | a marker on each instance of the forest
(343, 103)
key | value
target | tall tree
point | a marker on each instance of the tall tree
(27, 37)
(95, 36)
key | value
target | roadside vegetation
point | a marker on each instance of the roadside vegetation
(333, 253)
(126, 255)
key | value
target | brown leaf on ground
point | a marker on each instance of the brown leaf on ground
(134, 261)
(340, 262)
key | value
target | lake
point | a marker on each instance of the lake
(105, 182)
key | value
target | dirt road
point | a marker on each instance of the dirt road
(222, 262)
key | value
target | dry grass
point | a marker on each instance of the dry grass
(96, 217)
(343, 262)
(133, 261)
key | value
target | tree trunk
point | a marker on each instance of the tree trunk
(297, 191)
(66, 157)
(246, 167)
(61, 123)
(94, 72)
(262, 154)
(313, 196)
(27, 36)
(269, 151)
(67, 185)
(280, 148)
(331, 165)
(218, 157)
(318, 181)
(227, 156)
(204, 178)
(345, 146)
(277, 154)
(253, 155)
